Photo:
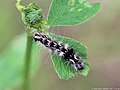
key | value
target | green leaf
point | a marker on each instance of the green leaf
(71, 12)
(66, 71)
(12, 63)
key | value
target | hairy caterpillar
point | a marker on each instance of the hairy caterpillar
(62, 50)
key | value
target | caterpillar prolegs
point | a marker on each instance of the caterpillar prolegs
(60, 49)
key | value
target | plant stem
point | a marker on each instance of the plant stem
(27, 62)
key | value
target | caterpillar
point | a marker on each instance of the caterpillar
(62, 50)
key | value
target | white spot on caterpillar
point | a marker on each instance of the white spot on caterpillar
(72, 61)
(61, 54)
(66, 46)
(75, 57)
(38, 37)
(57, 51)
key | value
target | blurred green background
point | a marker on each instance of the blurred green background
(100, 34)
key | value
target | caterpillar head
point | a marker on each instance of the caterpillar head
(78, 66)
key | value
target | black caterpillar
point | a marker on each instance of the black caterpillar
(62, 50)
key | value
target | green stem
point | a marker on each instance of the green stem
(27, 62)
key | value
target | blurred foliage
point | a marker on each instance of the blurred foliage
(12, 63)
